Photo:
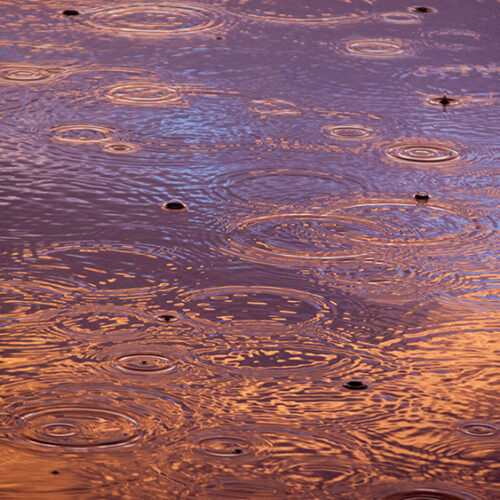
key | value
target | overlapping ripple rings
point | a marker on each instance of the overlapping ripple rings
(140, 269)
(352, 230)
(92, 418)
(254, 307)
(159, 20)
(27, 74)
(280, 186)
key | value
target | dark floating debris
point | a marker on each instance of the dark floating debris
(237, 451)
(167, 318)
(422, 196)
(55, 472)
(219, 38)
(355, 385)
(174, 205)
(423, 10)
(71, 12)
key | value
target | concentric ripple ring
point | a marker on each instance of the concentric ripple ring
(82, 134)
(172, 19)
(374, 47)
(423, 153)
(79, 427)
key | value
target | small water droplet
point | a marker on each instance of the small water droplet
(423, 10)
(421, 196)
(174, 205)
(355, 385)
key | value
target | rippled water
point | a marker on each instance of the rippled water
(249, 250)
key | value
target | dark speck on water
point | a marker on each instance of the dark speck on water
(71, 13)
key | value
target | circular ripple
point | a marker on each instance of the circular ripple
(25, 73)
(373, 47)
(274, 107)
(419, 152)
(106, 268)
(143, 363)
(347, 132)
(321, 237)
(79, 427)
(254, 307)
(279, 187)
(144, 93)
(121, 148)
(153, 20)
(426, 494)
(22, 300)
(478, 429)
(400, 18)
(224, 446)
(283, 357)
(82, 134)
(93, 418)
(98, 321)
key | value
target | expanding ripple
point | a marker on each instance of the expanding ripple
(398, 17)
(476, 82)
(380, 280)
(33, 299)
(274, 355)
(142, 93)
(426, 493)
(121, 148)
(348, 132)
(282, 186)
(27, 73)
(253, 307)
(352, 230)
(417, 151)
(107, 268)
(157, 21)
(99, 321)
(245, 461)
(82, 134)
(375, 47)
(92, 418)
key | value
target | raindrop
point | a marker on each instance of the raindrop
(479, 429)
(167, 318)
(355, 385)
(144, 363)
(423, 10)
(174, 205)
(71, 12)
(421, 196)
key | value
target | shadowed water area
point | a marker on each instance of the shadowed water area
(250, 249)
